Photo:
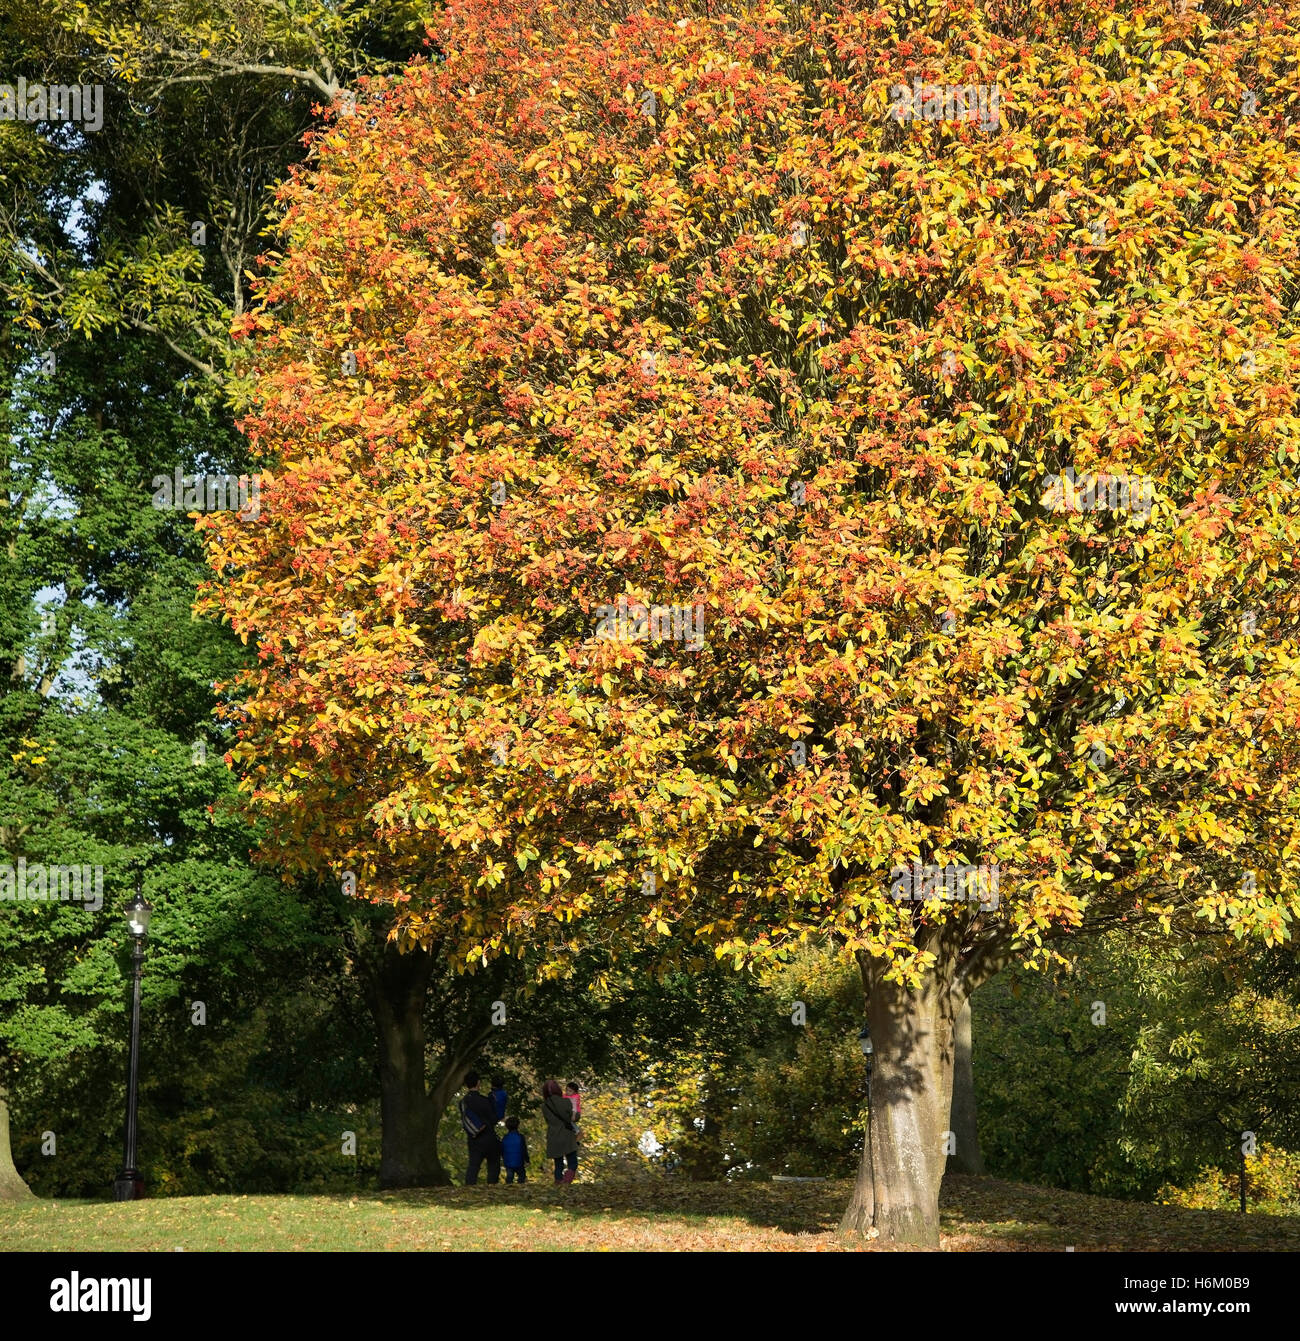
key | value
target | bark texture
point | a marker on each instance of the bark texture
(964, 1123)
(12, 1187)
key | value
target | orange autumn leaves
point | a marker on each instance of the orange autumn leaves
(661, 307)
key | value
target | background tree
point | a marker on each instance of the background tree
(1140, 1067)
(123, 263)
(963, 1121)
(314, 44)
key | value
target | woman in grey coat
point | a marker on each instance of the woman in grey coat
(561, 1132)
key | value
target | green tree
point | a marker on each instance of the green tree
(1139, 1064)
(124, 258)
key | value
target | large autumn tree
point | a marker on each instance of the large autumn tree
(938, 359)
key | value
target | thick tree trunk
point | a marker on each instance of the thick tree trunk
(911, 1096)
(396, 988)
(861, 1214)
(12, 1187)
(441, 1097)
(964, 1123)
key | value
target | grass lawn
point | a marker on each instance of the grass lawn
(979, 1214)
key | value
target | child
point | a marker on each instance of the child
(572, 1095)
(499, 1096)
(514, 1151)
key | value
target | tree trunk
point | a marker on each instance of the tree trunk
(861, 1214)
(964, 1124)
(457, 1056)
(12, 1187)
(396, 989)
(911, 1097)
(440, 1098)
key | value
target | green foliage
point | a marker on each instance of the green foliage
(800, 1103)
(109, 694)
(1272, 1186)
(223, 1108)
(1048, 1083)
(711, 1064)
(1198, 1046)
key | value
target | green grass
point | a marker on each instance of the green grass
(979, 1214)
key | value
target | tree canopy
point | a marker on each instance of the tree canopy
(720, 331)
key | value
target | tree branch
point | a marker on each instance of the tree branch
(205, 368)
(226, 67)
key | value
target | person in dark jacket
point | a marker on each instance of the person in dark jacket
(514, 1151)
(561, 1132)
(478, 1117)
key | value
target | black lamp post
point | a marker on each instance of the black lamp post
(129, 1185)
(868, 1050)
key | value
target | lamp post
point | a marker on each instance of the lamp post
(868, 1053)
(868, 1050)
(129, 1185)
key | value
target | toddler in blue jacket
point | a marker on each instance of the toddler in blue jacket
(514, 1151)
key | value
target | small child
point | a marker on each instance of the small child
(572, 1095)
(514, 1151)
(499, 1096)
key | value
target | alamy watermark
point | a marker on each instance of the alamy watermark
(946, 102)
(636, 623)
(53, 102)
(74, 1293)
(42, 883)
(1097, 493)
(209, 493)
(951, 883)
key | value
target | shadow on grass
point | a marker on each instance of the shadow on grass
(976, 1213)
(1025, 1217)
(808, 1208)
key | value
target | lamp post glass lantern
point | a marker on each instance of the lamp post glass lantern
(137, 916)
(129, 1185)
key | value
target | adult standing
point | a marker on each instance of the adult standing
(561, 1132)
(478, 1117)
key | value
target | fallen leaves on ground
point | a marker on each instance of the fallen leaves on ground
(979, 1215)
